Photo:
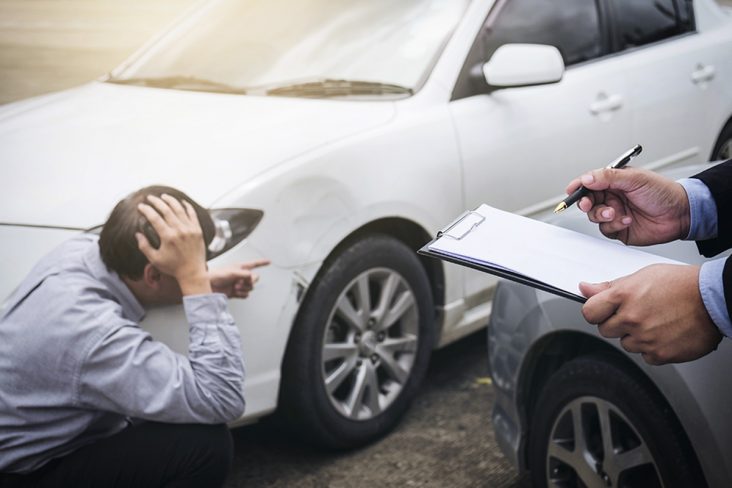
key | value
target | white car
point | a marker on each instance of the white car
(359, 129)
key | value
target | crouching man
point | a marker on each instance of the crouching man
(88, 398)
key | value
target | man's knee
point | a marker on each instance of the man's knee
(199, 454)
(215, 448)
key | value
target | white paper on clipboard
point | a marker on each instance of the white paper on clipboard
(543, 253)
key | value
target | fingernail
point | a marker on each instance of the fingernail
(587, 179)
(606, 213)
(626, 220)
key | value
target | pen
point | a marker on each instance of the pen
(582, 191)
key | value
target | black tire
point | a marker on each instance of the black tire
(586, 391)
(723, 148)
(327, 418)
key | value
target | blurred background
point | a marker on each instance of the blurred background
(49, 45)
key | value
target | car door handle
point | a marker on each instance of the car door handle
(606, 103)
(703, 73)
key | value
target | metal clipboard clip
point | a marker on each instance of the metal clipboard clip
(462, 226)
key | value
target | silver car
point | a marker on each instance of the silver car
(575, 409)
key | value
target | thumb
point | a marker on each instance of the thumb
(591, 289)
(612, 179)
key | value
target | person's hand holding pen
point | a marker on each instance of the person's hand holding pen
(658, 311)
(635, 206)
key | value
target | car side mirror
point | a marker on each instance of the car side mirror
(514, 65)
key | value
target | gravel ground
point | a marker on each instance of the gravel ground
(445, 440)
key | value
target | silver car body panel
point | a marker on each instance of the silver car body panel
(525, 320)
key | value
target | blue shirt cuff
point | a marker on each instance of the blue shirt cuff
(207, 308)
(703, 224)
(711, 287)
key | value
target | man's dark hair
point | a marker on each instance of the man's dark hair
(117, 242)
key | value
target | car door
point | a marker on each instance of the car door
(668, 76)
(520, 146)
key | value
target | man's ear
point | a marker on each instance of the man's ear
(151, 276)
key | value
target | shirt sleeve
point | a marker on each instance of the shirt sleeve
(703, 226)
(129, 373)
(711, 286)
(703, 208)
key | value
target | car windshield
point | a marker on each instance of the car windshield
(309, 48)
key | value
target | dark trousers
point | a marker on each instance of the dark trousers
(147, 455)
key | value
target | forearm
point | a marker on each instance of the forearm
(215, 354)
(133, 375)
(195, 284)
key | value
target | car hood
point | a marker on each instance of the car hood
(67, 158)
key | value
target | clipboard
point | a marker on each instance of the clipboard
(534, 253)
(458, 230)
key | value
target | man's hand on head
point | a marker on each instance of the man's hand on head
(236, 281)
(182, 250)
(657, 312)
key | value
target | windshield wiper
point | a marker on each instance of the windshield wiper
(181, 83)
(320, 88)
(336, 88)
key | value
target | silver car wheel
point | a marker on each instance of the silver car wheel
(593, 444)
(725, 151)
(370, 343)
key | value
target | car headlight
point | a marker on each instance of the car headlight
(233, 225)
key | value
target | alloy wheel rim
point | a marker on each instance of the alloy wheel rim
(725, 151)
(592, 444)
(370, 343)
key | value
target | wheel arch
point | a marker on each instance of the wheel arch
(407, 232)
(727, 126)
(553, 351)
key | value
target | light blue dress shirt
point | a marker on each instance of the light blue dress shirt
(704, 226)
(76, 367)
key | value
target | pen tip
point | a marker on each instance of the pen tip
(560, 207)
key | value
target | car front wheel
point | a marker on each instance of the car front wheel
(597, 424)
(723, 148)
(360, 345)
